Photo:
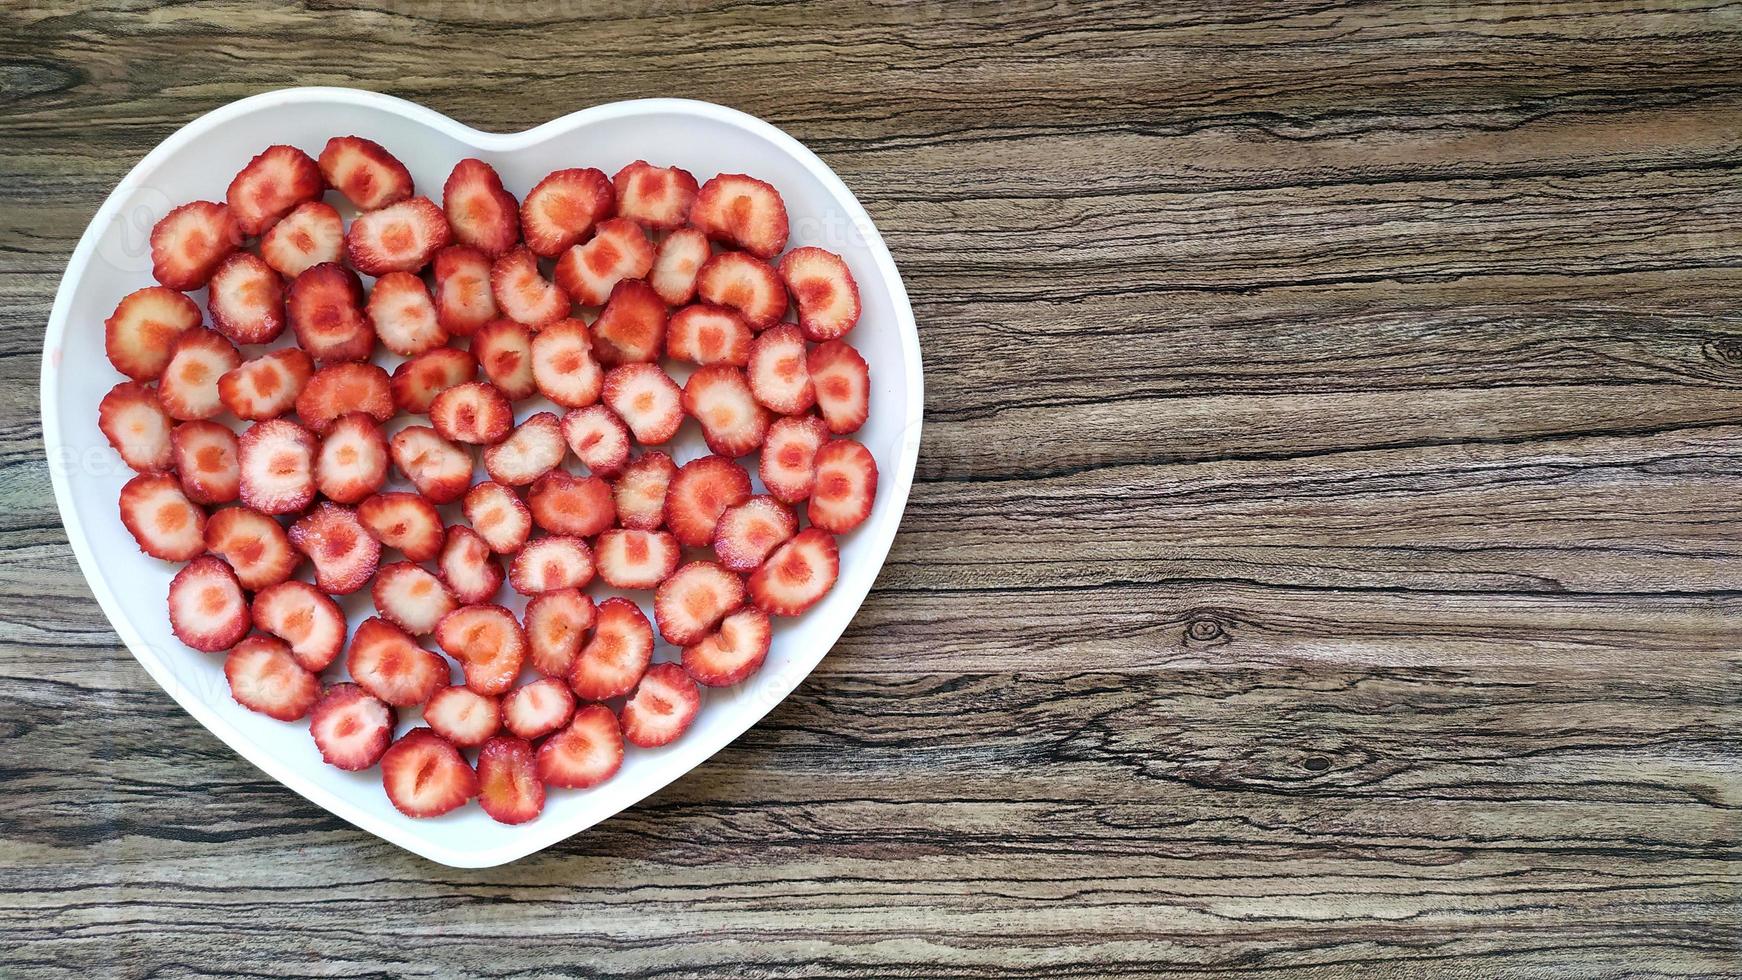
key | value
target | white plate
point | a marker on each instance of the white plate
(197, 162)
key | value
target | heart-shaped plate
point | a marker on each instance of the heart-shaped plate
(113, 258)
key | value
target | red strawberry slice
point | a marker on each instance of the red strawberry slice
(548, 564)
(746, 284)
(522, 293)
(189, 387)
(264, 677)
(646, 399)
(639, 491)
(464, 300)
(474, 413)
(778, 374)
(732, 653)
(425, 776)
(139, 335)
(255, 546)
(658, 197)
(675, 264)
(410, 598)
(508, 786)
(631, 328)
(463, 716)
(206, 461)
(563, 207)
(341, 389)
(707, 334)
(363, 171)
(190, 241)
(405, 521)
(797, 575)
(345, 555)
(487, 642)
(618, 654)
(749, 531)
(389, 664)
(719, 397)
(504, 351)
(134, 423)
(823, 287)
(690, 603)
(597, 438)
(278, 466)
(843, 385)
(743, 211)
(403, 315)
(352, 462)
(534, 448)
(304, 617)
(352, 727)
(846, 486)
(699, 493)
(482, 213)
(271, 184)
(401, 237)
(535, 710)
(310, 234)
(556, 624)
(562, 503)
(563, 367)
(325, 307)
(664, 704)
(207, 610)
(788, 464)
(619, 250)
(636, 559)
(162, 519)
(439, 469)
(586, 753)
(416, 382)
(267, 386)
(499, 516)
(466, 565)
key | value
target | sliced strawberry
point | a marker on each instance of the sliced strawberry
(472, 574)
(693, 599)
(597, 438)
(267, 386)
(363, 171)
(273, 183)
(732, 653)
(534, 448)
(675, 264)
(535, 710)
(548, 564)
(352, 462)
(340, 389)
(788, 463)
(140, 334)
(325, 306)
(405, 521)
(189, 387)
(749, 531)
(846, 486)
(522, 293)
(636, 559)
(351, 727)
(746, 284)
(264, 677)
(304, 617)
(618, 250)
(488, 643)
(586, 753)
(797, 575)
(309, 235)
(563, 367)
(618, 654)
(474, 413)
(658, 197)
(742, 211)
(162, 519)
(504, 350)
(508, 786)
(464, 300)
(499, 516)
(639, 491)
(439, 469)
(482, 213)
(556, 624)
(400, 237)
(190, 241)
(134, 423)
(463, 716)
(389, 664)
(425, 776)
(416, 382)
(563, 207)
(403, 315)
(345, 555)
(843, 385)
(664, 704)
(631, 328)
(779, 377)
(246, 299)
(255, 545)
(278, 466)
(707, 334)
(646, 399)
(699, 493)
(718, 396)
(411, 598)
(563, 503)
(206, 461)
(207, 610)
(823, 287)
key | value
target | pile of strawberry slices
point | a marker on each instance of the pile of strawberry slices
(313, 433)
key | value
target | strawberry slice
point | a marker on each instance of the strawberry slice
(731, 654)
(190, 241)
(255, 545)
(788, 464)
(843, 385)
(487, 642)
(613, 661)
(205, 459)
(352, 462)
(675, 264)
(246, 299)
(264, 677)
(548, 564)
(403, 315)
(534, 448)
(207, 610)
(278, 466)
(405, 521)
(304, 617)
(309, 235)
(463, 298)
(742, 211)
(690, 603)
(563, 207)
(522, 293)
(410, 598)
(598, 438)
(162, 519)
(699, 493)
(499, 516)
(556, 624)
(631, 328)
(535, 710)
(345, 555)
(351, 727)
(416, 382)
(563, 367)
(466, 565)
(463, 716)
(749, 531)
(504, 350)
(363, 171)
(746, 284)
(823, 287)
(277, 180)
(719, 397)
(482, 213)
(586, 753)
(439, 469)
(474, 413)
(636, 559)
(619, 250)
(708, 334)
(267, 386)
(387, 663)
(189, 387)
(341, 389)
(797, 575)
(562, 503)
(646, 399)
(425, 776)
(658, 197)
(139, 335)
(846, 487)
(779, 376)
(133, 422)
(325, 306)
(639, 491)
(664, 704)
(508, 786)
(400, 237)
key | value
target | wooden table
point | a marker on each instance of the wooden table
(1325, 559)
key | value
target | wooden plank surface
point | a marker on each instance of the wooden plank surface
(1324, 560)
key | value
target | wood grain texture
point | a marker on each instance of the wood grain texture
(1324, 560)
